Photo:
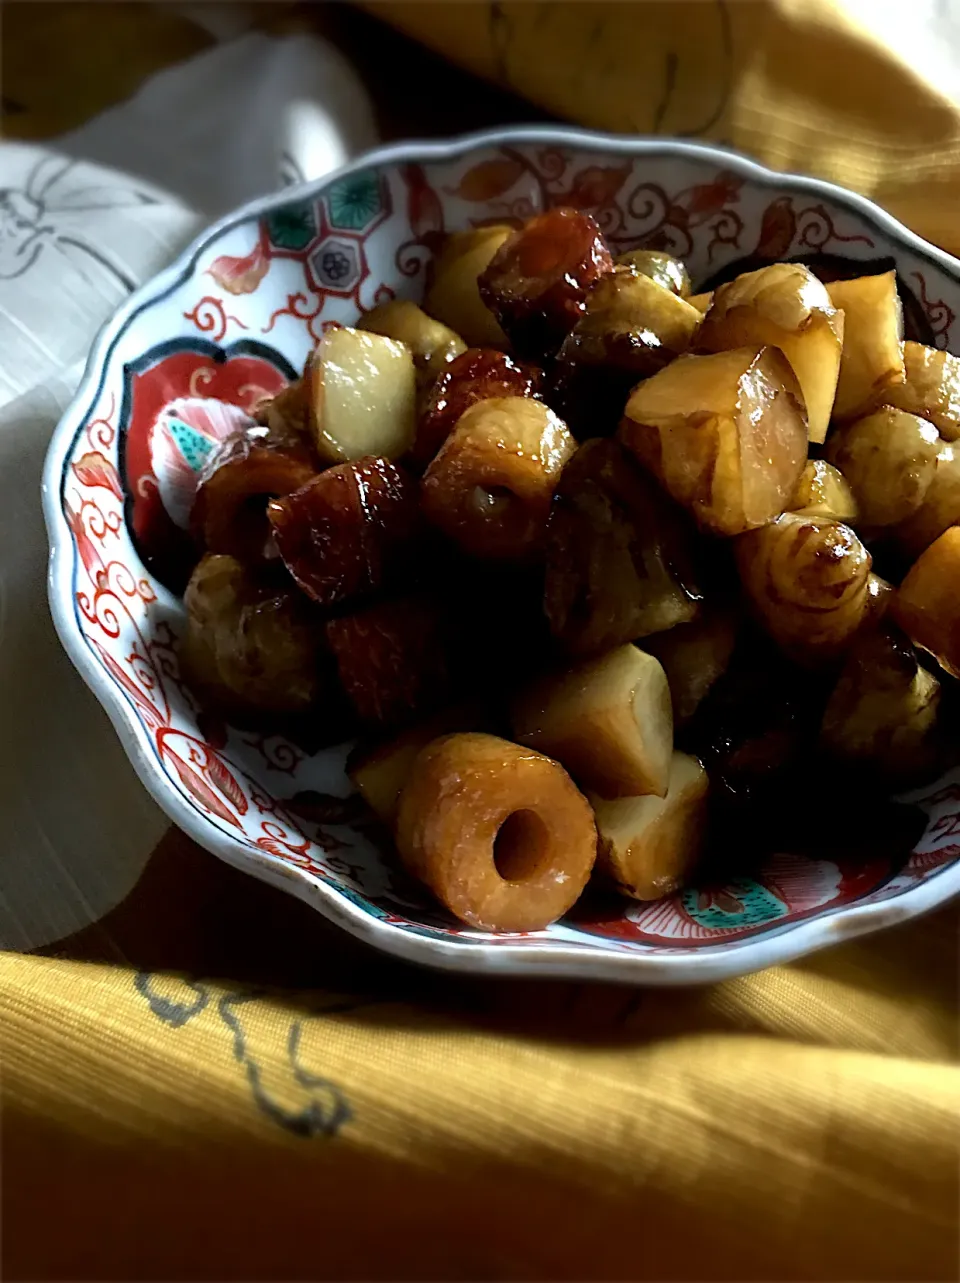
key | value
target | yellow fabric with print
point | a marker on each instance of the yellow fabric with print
(216, 1085)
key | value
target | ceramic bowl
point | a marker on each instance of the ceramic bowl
(234, 318)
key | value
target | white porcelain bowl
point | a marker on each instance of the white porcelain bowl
(235, 317)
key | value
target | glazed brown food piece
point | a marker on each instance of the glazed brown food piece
(287, 414)
(500, 835)
(609, 721)
(931, 388)
(631, 328)
(649, 846)
(454, 297)
(619, 561)
(490, 487)
(888, 459)
(433, 344)
(940, 507)
(251, 645)
(871, 364)
(927, 603)
(478, 374)
(393, 659)
(808, 580)
(694, 656)
(230, 510)
(786, 306)
(823, 491)
(883, 710)
(726, 435)
(537, 282)
(662, 268)
(347, 530)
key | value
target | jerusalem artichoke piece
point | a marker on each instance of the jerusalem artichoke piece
(608, 721)
(872, 359)
(888, 459)
(939, 509)
(393, 658)
(883, 711)
(786, 306)
(927, 603)
(694, 656)
(349, 530)
(663, 268)
(649, 846)
(725, 434)
(631, 328)
(363, 396)
(702, 302)
(808, 581)
(619, 554)
(537, 283)
(931, 388)
(454, 297)
(380, 771)
(287, 415)
(490, 487)
(822, 491)
(433, 344)
(479, 374)
(252, 645)
(229, 514)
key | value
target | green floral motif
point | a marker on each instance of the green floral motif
(743, 903)
(354, 202)
(293, 227)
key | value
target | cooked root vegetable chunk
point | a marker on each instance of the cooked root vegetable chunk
(619, 554)
(701, 302)
(931, 388)
(694, 656)
(808, 582)
(649, 846)
(822, 491)
(725, 434)
(454, 297)
(363, 394)
(479, 374)
(872, 358)
(348, 529)
(490, 487)
(609, 721)
(940, 508)
(230, 509)
(287, 415)
(631, 328)
(500, 835)
(883, 710)
(888, 459)
(250, 645)
(537, 282)
(662, 268)
(380, 771)
(393, 659)
(433, 344)
(927, 603)
(786, 306)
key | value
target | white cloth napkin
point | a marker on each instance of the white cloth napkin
(81, 226)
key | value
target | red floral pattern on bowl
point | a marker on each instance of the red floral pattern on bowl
(231, 322)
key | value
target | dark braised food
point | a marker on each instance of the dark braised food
(610, 574)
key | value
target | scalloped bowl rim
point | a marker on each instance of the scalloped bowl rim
(554, 959)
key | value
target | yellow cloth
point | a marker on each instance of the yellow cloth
(324, 1112)
(825, 87)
